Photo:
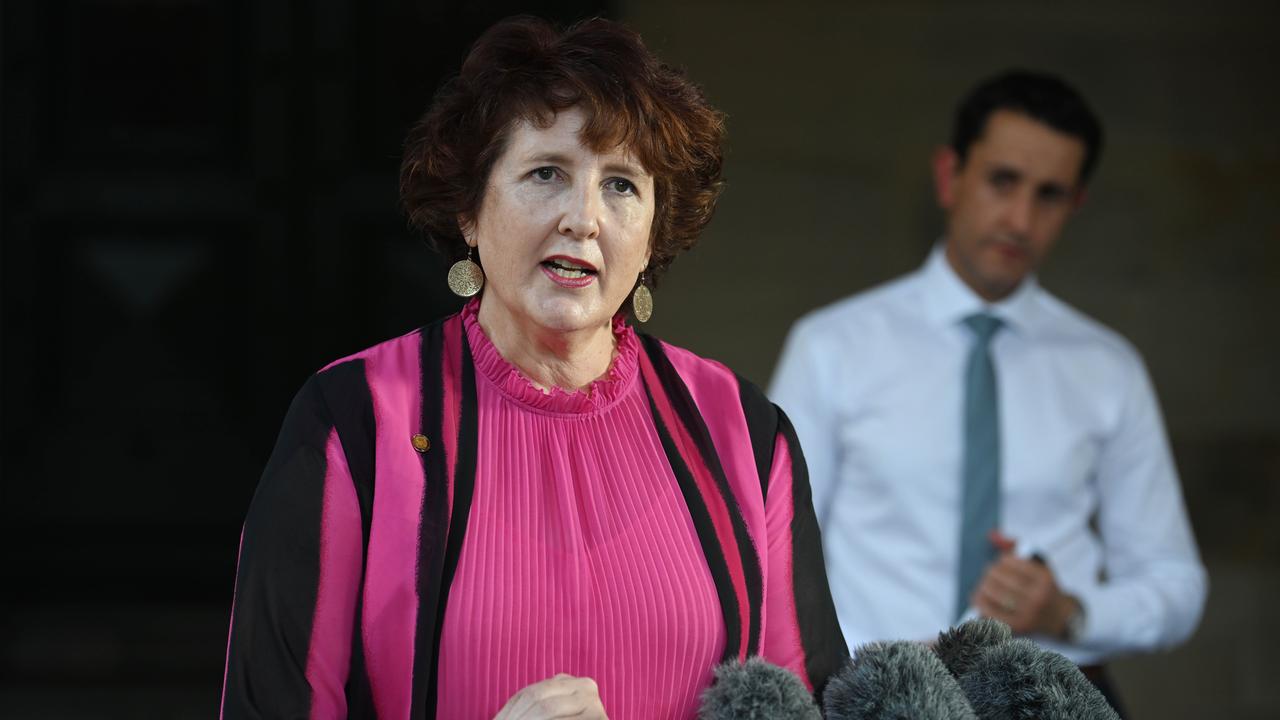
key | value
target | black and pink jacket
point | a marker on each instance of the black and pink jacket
(354, 533)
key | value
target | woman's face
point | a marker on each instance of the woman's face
(563, 231)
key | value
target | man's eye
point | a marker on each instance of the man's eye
(1003, 181)
(619, 185)
(1052, 195)
(545, 173)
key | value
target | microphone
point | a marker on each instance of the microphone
(1018, 679)
(757, 690)
(895, 681)
(960, 647)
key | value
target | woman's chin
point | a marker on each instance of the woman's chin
(565, 314)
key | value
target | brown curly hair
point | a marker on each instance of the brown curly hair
(523, 68)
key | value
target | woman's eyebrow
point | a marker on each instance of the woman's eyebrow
(551, 158)
(625, 168)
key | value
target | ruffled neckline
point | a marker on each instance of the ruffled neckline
(599, 395)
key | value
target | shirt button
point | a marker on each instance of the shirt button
(421, 443)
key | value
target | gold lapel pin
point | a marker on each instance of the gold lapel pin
(421, 443)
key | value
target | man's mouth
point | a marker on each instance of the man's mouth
(1011, 250)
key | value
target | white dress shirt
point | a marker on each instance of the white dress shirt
(874, 385)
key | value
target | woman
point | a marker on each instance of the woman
(527, 509)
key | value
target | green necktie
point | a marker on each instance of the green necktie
(981, 494)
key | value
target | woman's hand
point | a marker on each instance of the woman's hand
(563, 696)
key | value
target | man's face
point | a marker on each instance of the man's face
(1008, 202)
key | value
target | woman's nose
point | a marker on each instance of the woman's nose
(581, 216)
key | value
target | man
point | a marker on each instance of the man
(974, 444)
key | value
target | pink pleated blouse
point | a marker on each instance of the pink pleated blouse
(580, 555)
(637, 534)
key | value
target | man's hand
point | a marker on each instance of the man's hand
(1023, 594)
(562, 696)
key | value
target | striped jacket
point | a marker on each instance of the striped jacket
(353, 535)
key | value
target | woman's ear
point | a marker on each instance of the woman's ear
(468, 229)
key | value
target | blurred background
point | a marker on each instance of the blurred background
(199, 209)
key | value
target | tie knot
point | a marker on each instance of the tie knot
(983, 326)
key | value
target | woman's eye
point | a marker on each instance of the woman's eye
(545, 174)
(621, 186)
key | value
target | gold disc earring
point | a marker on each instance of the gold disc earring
(465, 277)
(642, 301)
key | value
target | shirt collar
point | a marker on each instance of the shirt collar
(948, 300)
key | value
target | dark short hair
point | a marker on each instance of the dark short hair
(526, 69)
(1040, 96)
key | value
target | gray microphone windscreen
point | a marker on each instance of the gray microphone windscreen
(960, 647)
(1019, 679)
(895, 681)
(756, 690)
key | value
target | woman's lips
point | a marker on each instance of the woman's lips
(567, 277)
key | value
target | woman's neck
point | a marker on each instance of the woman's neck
(549, 358)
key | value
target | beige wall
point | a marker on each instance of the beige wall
(834, 109)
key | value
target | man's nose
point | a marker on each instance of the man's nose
(1020, 213)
